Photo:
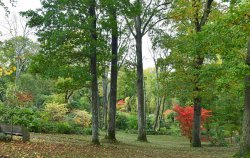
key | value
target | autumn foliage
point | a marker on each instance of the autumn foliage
(24, 97)
(120, 104)
(185, 117)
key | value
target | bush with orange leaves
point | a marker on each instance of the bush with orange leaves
(185, 115)
(24, 97)
(82, 118)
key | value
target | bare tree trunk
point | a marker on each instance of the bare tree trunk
(105, 100)
(196, 140)
(157, 109)
(94, 84)
(141, 110)
(143, 22)
(246, 119)
(161, 114)
(114, 73)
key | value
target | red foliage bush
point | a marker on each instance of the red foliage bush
(185, 117)
(120, 104)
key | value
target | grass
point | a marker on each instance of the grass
(71, 146)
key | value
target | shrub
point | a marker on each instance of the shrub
(185, 117)
(174, 129)
(82, 118)
(4, 137)
(81, 103)
(55, 98)
(121, 121)
(28, 117)
(5, 113)
(87, 131)
(49, 127)
(23, 116)
(81, 130)
(217, 135)
(64, 127)
(132, 122)
(150, 121)
(126, 121)
(56, 111)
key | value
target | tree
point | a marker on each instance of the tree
(157, 53)
(93, 64)
(2, 4)
(185, 117)
(112, 10)
(18, 52)
(67, 86)
(199, 60)
(68, 35)
(126, 83)
(189, 22)
(141, 17)
(105, 97)
(246, 118)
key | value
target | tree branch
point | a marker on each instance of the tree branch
(129, 26)
(146, 9)
(153, 14)
(206, 13)
(152, 25)
(196, 16)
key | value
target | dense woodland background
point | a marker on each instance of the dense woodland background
(85, 73)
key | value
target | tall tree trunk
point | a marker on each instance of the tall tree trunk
(94, 84)
(114, 72)
(105, 100)
(141, 110)
(196, 141)
(246, 118)
(157, 109)
(161, 114)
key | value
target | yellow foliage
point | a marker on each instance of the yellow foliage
(219, 60)
(14, 68)
(5, 72)
(82, 118)
(56, 111)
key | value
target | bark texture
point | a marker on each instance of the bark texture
(114, 73)
(157, 109)
(246, 119)
(94, 85)
(141, 110)
(105, 100)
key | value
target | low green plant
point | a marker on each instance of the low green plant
(121, 121)
(132, 122)
(217, 135)
(87, 131)
(175, 129)
(4, 137)
(64, 128)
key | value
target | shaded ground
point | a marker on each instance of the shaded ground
(71, 146)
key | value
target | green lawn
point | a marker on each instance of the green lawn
(58, 145)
